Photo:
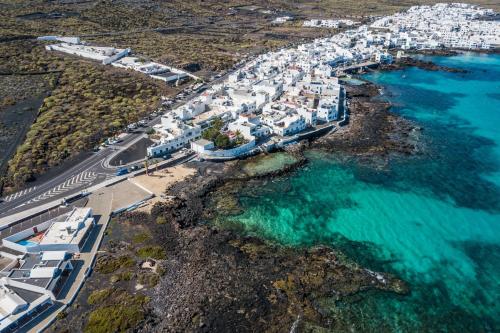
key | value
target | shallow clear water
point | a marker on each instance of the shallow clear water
(268, 163)
(433, 220)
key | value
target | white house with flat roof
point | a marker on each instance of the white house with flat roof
(101, 53)
(328, 109)
(67, 232)
(249, 126)
(174, 134)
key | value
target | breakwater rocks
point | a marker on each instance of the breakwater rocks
(425, 65)
(373, 130)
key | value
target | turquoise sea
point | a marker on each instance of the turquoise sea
(433, 220)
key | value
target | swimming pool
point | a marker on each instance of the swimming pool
(26, 242)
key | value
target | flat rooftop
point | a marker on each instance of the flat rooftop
(69, 229)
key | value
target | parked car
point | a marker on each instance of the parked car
(121, 171)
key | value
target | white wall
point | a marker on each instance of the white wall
(230, 153)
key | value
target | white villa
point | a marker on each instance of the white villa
(67, 232)
(174, 134)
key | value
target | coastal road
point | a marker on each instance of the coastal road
(72, 180)
(91, 171)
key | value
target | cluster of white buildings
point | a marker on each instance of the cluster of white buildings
(35, 264)
(153, 69)
(116, 57)
(455, 25)
(281, 94)
(321, 23)
(278, 94)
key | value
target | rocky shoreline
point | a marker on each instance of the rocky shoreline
(218, 279)
(373, 130)
(425, 65)
(454, 52)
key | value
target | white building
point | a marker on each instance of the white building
(272, 87)
(67, 232)
(206, 149)
(289, 125)
(68, 40)
(328, 110)
(282, 19)
(310, 115)
(174, 134)
(30, 285)
(190, 110)
(250, 127)
(10, 302)
(104, 54)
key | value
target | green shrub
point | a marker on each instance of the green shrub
(98, 296)
(155, 252)
(161, 220)
(113, 319)
(123, 276)
(148, 279)
(126, 313)
(141, 238)
(106, 265)
(161, 270)
(61, 315)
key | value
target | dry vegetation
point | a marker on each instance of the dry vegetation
(82, 91)
(211, 33)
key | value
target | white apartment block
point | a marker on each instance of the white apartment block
(249, 126)
(174, 134)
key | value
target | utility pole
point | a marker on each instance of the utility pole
(146, 164)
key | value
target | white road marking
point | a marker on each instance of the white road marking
(79, 180)
(18, 194)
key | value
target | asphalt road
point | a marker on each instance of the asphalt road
(7, 208)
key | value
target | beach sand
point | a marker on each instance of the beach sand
(158, 181)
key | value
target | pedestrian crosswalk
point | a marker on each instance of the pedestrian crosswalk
(19, 194)
(80, 180)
